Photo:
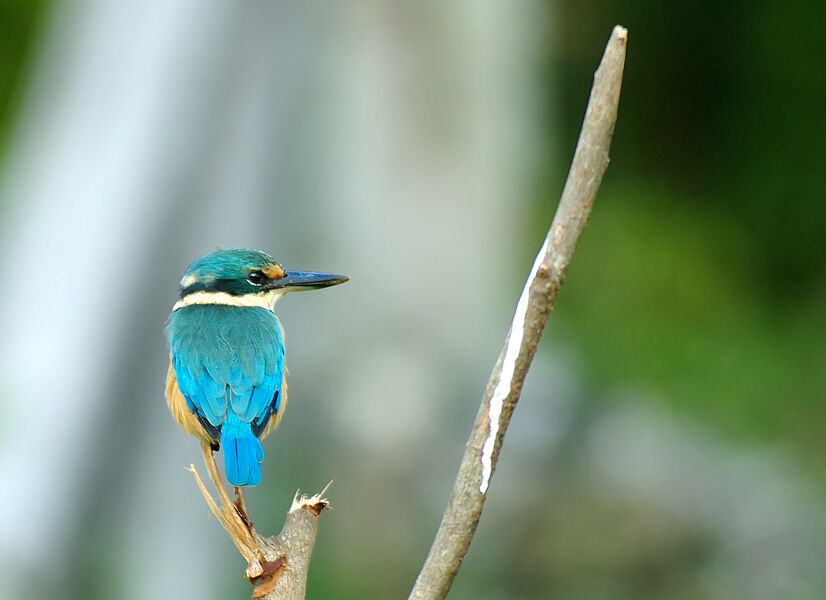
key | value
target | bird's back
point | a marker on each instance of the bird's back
(228, 364)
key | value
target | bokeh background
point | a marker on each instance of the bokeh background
(670, 440)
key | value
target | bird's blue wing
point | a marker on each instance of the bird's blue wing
(256, 378)
(227, 358)
(204, 393)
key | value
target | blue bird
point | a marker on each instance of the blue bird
(225, 384)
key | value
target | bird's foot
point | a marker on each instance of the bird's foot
(241, 507)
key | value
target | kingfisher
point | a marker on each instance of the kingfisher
(226, 379)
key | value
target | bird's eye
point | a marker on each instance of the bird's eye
(256, 277)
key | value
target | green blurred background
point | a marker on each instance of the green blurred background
(713, 213)
(684, 454)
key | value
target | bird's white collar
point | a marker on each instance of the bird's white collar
(261, 300)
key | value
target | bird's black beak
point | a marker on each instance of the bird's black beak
(296, 281)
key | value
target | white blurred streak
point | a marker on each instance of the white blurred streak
(82, 185)
(430, 180)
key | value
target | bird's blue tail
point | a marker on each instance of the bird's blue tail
(242, 452)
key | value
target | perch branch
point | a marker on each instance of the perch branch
(276, 566)
(467, 498)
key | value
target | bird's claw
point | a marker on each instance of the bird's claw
(241, 507)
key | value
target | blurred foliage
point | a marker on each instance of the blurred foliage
(722, 103)
(702, 274)
(20, 25)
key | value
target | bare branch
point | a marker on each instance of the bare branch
(464, 507)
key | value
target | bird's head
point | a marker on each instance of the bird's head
(246, 278)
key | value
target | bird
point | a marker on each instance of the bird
(225, 383)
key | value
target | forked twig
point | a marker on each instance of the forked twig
(276, 566)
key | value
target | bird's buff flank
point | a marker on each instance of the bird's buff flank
(225, 383)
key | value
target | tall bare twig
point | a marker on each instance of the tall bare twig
(464, 507)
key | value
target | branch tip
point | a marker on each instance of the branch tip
(315, 504)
